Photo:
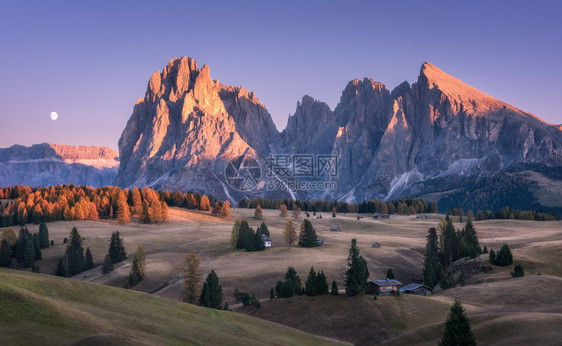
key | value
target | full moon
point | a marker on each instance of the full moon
(54, 115)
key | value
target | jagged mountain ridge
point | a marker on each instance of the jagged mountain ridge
(389, 144)
(52, 164)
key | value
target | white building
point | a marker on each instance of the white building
(266, 240)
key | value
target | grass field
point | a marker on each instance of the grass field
(39, 309)
(536, 245)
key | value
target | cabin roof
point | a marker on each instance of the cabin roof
(413, 286)
(386, 282)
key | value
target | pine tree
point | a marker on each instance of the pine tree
(289, 232)
(75, 253)
(60, 271)
(107, 265)
(43, 235)
(504, 256)
(117, 251)
(263, 229)
(5, 254)
(450, 243)
(334, 291)
(137, 270)
(457, 328)
(234, 234)
(244, 236)
(191, 279)
(38, 253)
(357, 273)
(307, 236)
(492, 256)
(292, 285)
(432, 267)
(485, 249)
(321, 283)
(88, 260)
(271, 293)
(258, 213)
(390, 274)
(518, 271)
(211, 294)
(259, 245)
(310, 288)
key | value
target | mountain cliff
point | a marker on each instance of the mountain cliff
(52, 164)
(187, 128)
(435, 135)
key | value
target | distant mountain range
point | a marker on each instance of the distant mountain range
(52, 164)
(438, 138)
(427, 139)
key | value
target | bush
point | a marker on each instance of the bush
(504, 256)
(518, 271)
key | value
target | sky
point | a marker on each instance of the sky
(91, 61)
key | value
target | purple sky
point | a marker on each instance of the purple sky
(91, 62)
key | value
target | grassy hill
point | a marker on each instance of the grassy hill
(38, 309)
(518, 311)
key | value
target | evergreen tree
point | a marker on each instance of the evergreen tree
(334, 291)
(245, 236)
(492, 256)
(107, 265)
(117, 251)
(357, 273)
(137, 270)
(432, 267)
(390, 274)
(19, 248)
(310, 287)
(38, 253)
(292, 285)
(504, 256)
(88, 260)
(264, 230)
(307, 236)
(450, 243)
(457, 328)
(5, 254)
(75, 253)
(518, 271)
(234, 234)
(259, 245)
(271, 294)
(321, 283)
(211, 294)
(60, 269)
(43, 235)
(29, 252)
(191, 278)
(485, 249)
(279, 289)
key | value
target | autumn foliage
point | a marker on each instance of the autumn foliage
(69, 202)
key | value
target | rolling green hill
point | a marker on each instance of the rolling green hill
(38, 309)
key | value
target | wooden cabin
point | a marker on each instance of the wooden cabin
(416, 288)
(383, 287)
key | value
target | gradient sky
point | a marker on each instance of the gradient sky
(91, 61)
